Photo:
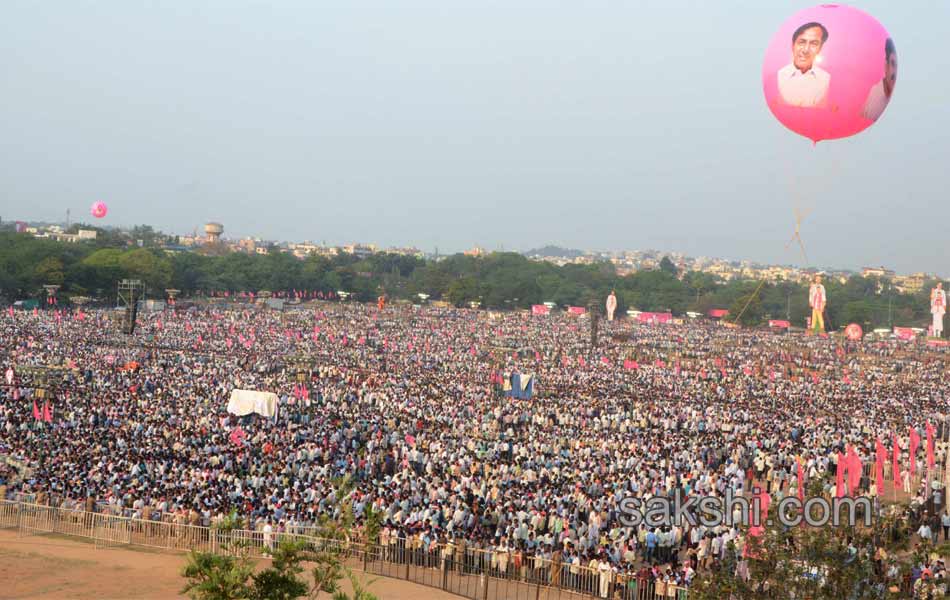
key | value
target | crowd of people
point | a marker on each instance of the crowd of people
(406, 401)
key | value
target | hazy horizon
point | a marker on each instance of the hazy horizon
(599, 126)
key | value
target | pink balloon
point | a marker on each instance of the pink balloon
(829, 72)
(99, 209)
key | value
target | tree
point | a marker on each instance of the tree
(462, 291)
(50, 271)
(747, 310)
(224, 576)
(667, 266)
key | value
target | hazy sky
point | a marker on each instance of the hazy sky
(597, 125)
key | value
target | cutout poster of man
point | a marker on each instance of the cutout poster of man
(817, 300)
(611, 305)
(938, 307)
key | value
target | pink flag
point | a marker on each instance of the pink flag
(630, 364)
(605, 360)
(930, 445)
(879, 458)
(914, 444)
(659, 363)
(581, 361)
(839, 476)
(10, 311)
(36, 411)
(801, 483)
(47, 412)
(854, 472)
(895, 468)
(472, 350)
(237, 436)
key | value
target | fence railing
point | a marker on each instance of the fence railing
(471, 573)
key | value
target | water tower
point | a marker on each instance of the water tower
(213, 232)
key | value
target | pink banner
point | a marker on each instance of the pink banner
(717, 313)
(781, 324)
(655, 317)
(539, 309)
(904, 333)
(576, 310)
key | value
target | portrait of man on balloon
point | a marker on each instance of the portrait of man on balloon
(881, 91)
(802, 82)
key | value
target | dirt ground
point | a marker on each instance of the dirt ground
(48, 568)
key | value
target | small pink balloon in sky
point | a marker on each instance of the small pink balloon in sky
(99, 209)
(829, 72)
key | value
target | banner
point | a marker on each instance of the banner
(717, 313)
(245, 402)
(576, 310)
(779, 323)
(904, 333)
(539, 309)
(654, 317)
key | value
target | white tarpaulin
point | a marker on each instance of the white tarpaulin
(245, 402)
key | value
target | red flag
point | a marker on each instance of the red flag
(47, 413)
(581, 361)
(839, 476)
(930, 445)
(895, 468)
(801, 483)
(914, 444)
(630, 364)
(605, 360)
(36, 411)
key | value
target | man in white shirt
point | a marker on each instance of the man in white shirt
(802, 83)
(880, 93)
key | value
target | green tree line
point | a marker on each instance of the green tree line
(499, 281)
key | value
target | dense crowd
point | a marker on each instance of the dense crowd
(406, 401)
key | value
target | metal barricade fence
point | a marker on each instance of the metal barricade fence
(471, 573)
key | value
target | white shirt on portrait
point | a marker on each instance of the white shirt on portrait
(876, 103)
(806, 90)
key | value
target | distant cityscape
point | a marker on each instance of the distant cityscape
(212, 240)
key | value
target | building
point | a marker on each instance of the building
(360, 250)
(911, 284)
(877, 272)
